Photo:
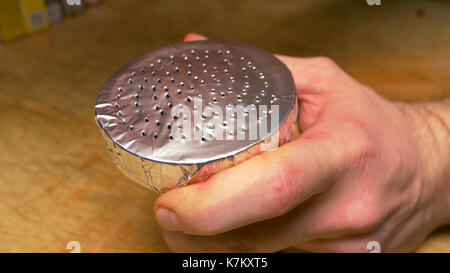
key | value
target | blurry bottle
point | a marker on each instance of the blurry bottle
(55, 11)
(20, 17)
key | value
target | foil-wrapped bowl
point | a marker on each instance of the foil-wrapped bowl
(182, 113)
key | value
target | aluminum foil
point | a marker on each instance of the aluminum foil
(135, 111)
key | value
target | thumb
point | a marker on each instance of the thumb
(265, 186)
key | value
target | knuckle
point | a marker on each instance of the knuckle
(331, 75)
(281, 197)
(359, 143)
(202, 221)
(368, 221)
(365, 219)
(325, 62)
(283, 190)
(360, 148)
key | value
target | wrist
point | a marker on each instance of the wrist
(431, 129)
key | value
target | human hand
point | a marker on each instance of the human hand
(356, 174)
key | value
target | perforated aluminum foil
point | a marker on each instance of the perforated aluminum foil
(135, 111)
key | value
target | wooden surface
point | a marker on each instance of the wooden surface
(57, 181)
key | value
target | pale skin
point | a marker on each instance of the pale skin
(364, 169)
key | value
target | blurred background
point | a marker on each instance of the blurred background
(57, 182)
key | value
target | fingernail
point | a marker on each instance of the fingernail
(188, 36)
(167, 219)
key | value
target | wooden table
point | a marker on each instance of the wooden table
(57, 182)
